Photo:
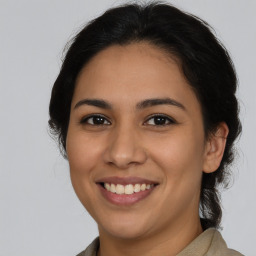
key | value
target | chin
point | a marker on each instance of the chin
(124, 229)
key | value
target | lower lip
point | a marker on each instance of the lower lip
(125, 199)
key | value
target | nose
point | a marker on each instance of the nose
(125, 149)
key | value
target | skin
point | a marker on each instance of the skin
(130, 143)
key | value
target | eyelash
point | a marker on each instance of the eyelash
(85, 120)
(104, 119)
(165, 117)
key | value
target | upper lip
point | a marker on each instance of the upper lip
(125, 180)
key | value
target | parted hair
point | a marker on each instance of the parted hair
(205, 63)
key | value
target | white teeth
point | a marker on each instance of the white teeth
(127, 189)
(113, 188)
(119, 189)
(107, 186)
(143, 187)
(136, 188)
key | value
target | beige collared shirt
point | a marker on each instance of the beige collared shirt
(209, 243)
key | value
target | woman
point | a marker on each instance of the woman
(145, 111)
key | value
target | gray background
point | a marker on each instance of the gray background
(39, 212)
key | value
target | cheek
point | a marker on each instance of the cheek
(180, 156)
(83, 153)
(180, 147)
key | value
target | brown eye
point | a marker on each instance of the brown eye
(159, 120)
(95, 120)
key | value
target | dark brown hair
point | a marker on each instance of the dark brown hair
(205, 63)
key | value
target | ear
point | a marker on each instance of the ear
(214, 148)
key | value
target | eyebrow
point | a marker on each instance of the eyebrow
(141, 105)
(94, 102)
(159, 101)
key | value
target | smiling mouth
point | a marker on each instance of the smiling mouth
(128, 189)
(125, 191)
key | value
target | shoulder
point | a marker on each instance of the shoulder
(209, 243)
(218, 245)
(92, 249)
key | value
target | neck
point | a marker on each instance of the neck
(168, 242)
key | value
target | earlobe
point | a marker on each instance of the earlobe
(215, 147)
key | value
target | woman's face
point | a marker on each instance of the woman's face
(135, 120)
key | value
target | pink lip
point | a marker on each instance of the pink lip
(125, 200)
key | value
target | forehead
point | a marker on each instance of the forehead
(135, 71)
